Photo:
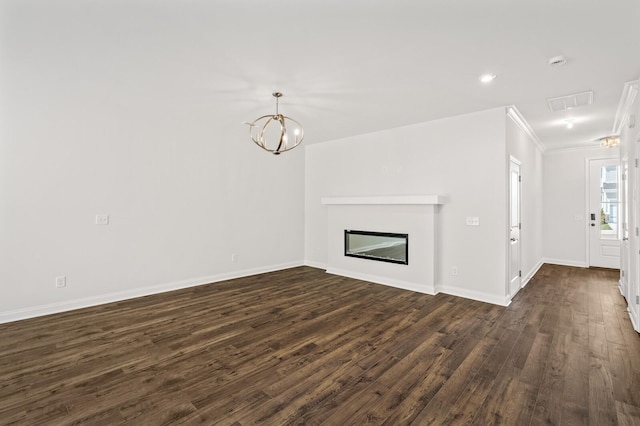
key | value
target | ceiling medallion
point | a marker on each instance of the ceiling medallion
(276, 133)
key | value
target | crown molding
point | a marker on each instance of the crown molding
(384, 200)
(577, 148)
(514, 114)
(624, 106)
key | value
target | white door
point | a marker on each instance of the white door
(624, 220)
(633, 284)
(514, 227)
(604, 213)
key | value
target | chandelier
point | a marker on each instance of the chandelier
(276, 133)
(610, 142)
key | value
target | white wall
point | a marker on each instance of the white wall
(86, 127)
(460, 158)
(521, 147)
(564, 199)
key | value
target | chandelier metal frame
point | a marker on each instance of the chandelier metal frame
(282, 144)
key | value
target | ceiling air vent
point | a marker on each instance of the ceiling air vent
(570, 101)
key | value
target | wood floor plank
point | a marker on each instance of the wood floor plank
(535, 365)
(602, 407)
(300, 346)
(548, 409)
(464, 364)
(575, 397)
(625, 385)
(372, 367)
(627, 415)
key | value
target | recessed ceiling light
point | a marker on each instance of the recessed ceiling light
(486, 78)
(569, 124)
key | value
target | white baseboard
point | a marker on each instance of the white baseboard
(531, 273)
(70, 305)
(405, 285)
(474, 295)
(621, 286)
(635, 324)
(421, 288)
(314, 264)
(564, 262)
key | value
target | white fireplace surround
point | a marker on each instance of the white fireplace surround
(415, 215)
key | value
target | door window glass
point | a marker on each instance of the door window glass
(515, 202)
(609, 202)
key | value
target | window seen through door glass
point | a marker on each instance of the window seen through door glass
(515, 202)
(609, 202)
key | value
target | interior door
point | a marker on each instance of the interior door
(514, 227)
(605, 229)
(633, 283)
(625, 247)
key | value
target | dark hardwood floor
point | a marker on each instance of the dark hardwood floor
(304, 347)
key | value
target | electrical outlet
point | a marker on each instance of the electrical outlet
(454, 271)
(234, 257)
(473, 221)
(102, 219)
(61, 281)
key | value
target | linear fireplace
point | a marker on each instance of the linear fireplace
(381, 246)
(413, 215)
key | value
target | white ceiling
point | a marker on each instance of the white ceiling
(345, 67)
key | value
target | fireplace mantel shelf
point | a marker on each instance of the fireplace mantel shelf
(383, 200)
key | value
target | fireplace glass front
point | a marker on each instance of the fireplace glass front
(382, 246)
